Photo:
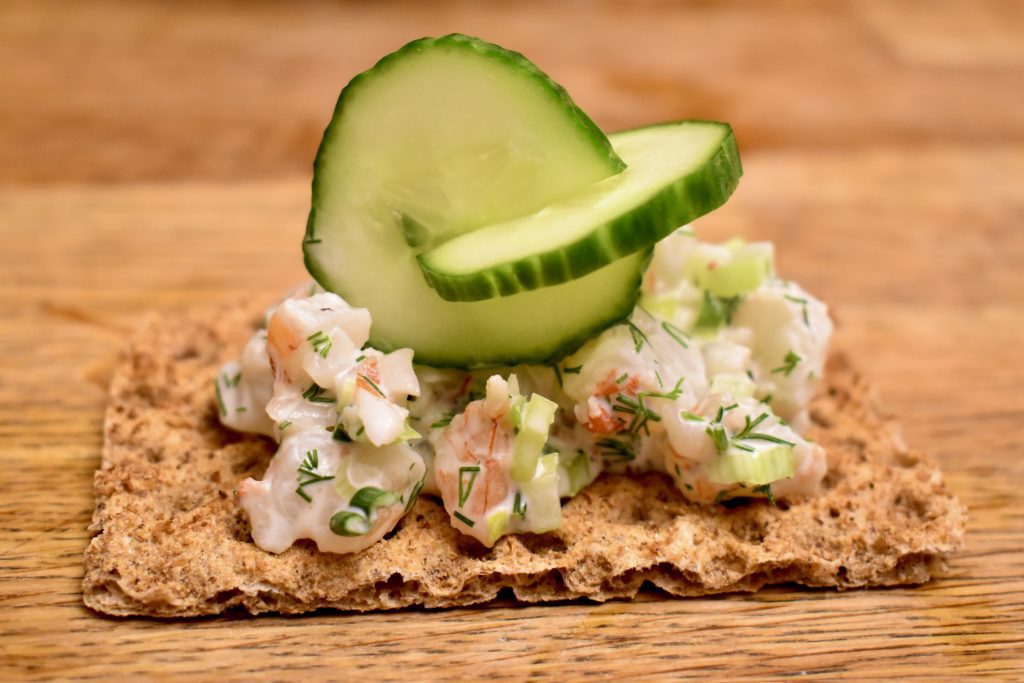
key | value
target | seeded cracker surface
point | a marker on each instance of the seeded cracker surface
(171, 540)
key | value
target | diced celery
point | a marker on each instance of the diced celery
(347, 393)
(538, 414)
(740, 269)
(408, 433)
(756, 467)
(736, 384)
(544, 508)
(663, 306)
(576, 471)
(497, 523)
(342, 484)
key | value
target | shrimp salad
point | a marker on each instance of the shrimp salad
(708, 381)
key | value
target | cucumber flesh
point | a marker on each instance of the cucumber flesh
(439, 138)
(676, 172)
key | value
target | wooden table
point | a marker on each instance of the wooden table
(157, 157)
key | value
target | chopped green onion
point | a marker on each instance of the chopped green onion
(348, 523)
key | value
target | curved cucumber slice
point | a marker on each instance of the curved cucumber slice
(676, 172)
(439, 138)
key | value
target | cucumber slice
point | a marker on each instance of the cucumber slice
(443, 136)
(676, 172)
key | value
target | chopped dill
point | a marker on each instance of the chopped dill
(308, 470)
(613, 448)
(676, 333)
(518, 506)
(639, 338)
(464, 519)
(466, 488)
(445, 420)
(788, 363)
(320, 342)
(373, 385)
(314, 394)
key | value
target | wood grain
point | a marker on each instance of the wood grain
(892, 188)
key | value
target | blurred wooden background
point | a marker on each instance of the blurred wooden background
(126, 91)
(157, 155)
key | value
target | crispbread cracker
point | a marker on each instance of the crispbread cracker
(171, 539)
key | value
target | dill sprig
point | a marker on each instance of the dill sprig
(574, 370)
(308, 470)
(320, 342)
(639, 338)
(220, 399)
(803, 307)
(558, 374)
(464, 519)
(518, 506)
(445, 420)
(676, 333)
(766, 489)
(613, 448)
(788, 363)
(232, 381)
(717, 310)
(373, 385)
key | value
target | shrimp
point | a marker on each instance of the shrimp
(473, 458)
(308, 491)
(322, 373)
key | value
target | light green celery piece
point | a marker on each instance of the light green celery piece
(537, 416)
(544, 511)
(743, 271)
(738, 385)
(759, 467)
(497, 524)
(577, 470)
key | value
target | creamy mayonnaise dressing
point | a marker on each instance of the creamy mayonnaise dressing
(713, 391)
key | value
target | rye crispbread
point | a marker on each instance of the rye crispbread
(172, 541)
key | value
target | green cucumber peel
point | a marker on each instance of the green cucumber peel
(676, 173)
(441, 137)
